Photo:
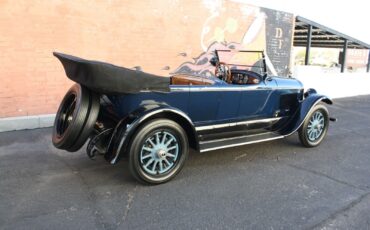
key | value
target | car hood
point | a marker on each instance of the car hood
(284, 82)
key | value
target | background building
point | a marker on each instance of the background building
(160, 37)
(163, 37)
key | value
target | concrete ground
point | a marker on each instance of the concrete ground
(274, 185)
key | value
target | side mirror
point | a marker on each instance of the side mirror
(267, 78)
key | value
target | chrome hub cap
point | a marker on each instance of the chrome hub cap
(159, 153)
(315, 126)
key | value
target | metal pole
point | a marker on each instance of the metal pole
(368, 63)
(308, 45)
(345, 45)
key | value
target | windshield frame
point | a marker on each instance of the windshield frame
(264, 67)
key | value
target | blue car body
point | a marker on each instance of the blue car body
(240, 107)
(219, 115)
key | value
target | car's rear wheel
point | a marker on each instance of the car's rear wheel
(315, 127)
(75, 118)
(158, 151)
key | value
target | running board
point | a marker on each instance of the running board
(237, 141)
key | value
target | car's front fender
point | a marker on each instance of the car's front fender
(311, 99)
(127, 127)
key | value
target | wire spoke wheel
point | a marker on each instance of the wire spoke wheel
(315, 126)
(159, 153)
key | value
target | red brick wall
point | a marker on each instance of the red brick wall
(151, 34)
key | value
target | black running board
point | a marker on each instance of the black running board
(237, 141)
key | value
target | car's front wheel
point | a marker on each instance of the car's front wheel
(158, 151)
(315, 127)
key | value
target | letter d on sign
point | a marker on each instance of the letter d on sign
(279, 33)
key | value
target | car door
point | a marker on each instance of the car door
(255, 100)
(258, 106)
(229, 102)
(213, 109)
(203, 103)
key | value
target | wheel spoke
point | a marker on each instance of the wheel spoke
(154, 166)
(170, 148)
(157, 138)
(317, 115)
(164, 138)
(169, 141)
(161, 166)
(167, 162)
(170, 155)
(320, 116)
(146, 156)
(151, 142)
(149, 162)
(148, 149)
(311, 136)
(317, 134)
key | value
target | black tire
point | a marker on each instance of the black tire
(88, 127)
(166, 130)
(305, 132)
(75, 118)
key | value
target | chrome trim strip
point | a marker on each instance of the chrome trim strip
(232, 138)
(227, 88)
(179, 89)
(239, 144)
(208, 127)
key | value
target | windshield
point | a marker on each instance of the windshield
(239, 59)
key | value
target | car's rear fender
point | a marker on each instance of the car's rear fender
(311, 98)
(128, 126)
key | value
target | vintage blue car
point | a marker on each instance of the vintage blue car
(154, 120)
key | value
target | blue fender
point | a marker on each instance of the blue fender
(127, 127)
(306, 105)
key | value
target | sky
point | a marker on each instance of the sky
(349, 17)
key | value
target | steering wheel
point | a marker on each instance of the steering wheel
(223, 70)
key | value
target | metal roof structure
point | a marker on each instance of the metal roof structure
(309, 34)
(323, 36)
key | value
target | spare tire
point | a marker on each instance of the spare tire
(89, 122)
(75, 118)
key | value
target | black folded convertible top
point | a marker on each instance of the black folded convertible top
(107, 78)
